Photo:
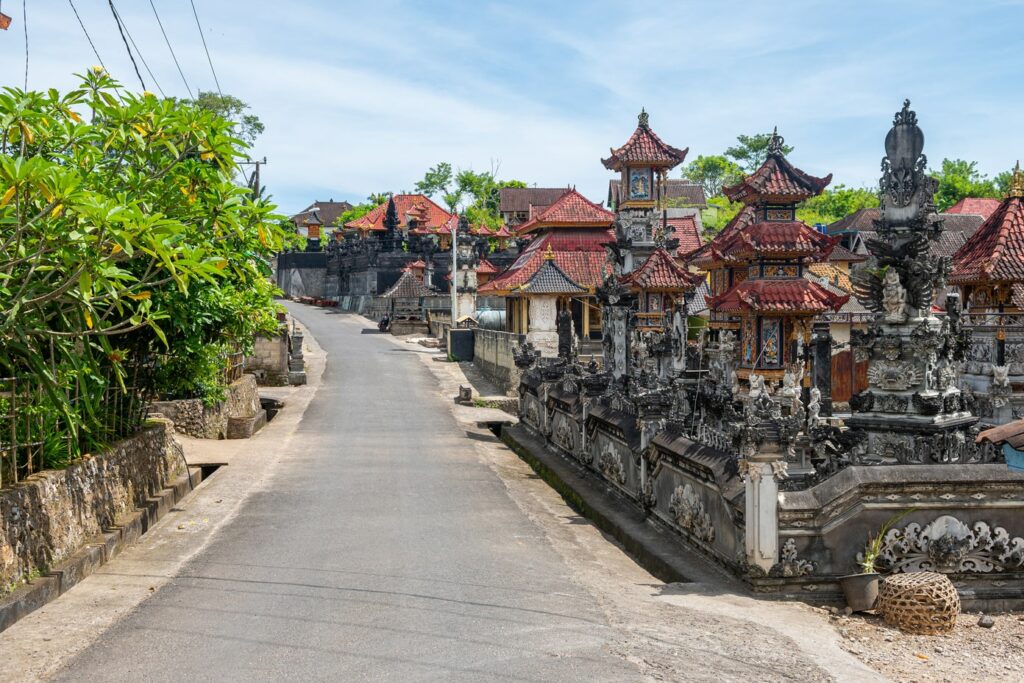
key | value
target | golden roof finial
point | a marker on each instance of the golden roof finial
(1017, 182)
(549, 255)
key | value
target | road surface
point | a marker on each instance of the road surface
(384, 549)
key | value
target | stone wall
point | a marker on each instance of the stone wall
(492, 355)
(49, 516)
(192, 417)
(269, 360)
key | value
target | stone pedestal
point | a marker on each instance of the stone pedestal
(543, 333)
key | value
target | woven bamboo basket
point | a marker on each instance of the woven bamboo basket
(922, 603)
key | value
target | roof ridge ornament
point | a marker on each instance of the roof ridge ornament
(776, 143)
(1016, 182)
(549, 255)
(644, 118)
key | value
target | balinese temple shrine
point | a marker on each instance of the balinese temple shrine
(757, 266)
(989, 269)
(417, 215)
(643, 164)
(660, 284)
(570, 234)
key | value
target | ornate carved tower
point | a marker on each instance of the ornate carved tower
(913, 410)
(643, 163)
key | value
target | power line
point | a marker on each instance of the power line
(143, 58)
(24, 21)
(87, 36)
(173, 56)
(200, 27)
(120, 30)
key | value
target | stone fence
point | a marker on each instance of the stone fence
(191, 416)
(492, 355)
(302, 273)
(49, 516)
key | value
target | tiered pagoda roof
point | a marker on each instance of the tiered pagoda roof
(580, 254)
(571, 210)
(776, 239)
(776, 181)
(661, 272)
(417, 208)
(644, 147)
(778, 297)
(995, 253)
(705, 257)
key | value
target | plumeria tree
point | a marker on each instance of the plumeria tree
(118, 215)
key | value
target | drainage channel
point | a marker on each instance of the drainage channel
(88, 559)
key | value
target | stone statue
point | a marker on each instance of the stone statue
(814, 408)
(565, 334)
(757, 387)
(735, 379)
(894, 297)
(791, 380)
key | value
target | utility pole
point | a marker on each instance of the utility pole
(254, 180)
(455, 274)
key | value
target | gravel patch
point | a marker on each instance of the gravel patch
(970, 653)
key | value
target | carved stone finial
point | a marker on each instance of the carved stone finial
(905, 116)
(776, 142)
(644, 118)
(1017, 182)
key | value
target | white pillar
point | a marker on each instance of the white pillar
(543, 332)
(761, 474)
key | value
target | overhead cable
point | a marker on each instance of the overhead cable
(120, 29)
(87, 36)
(208, 59)
(173, 56)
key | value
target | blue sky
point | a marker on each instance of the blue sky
(362, 97)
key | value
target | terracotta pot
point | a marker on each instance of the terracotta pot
(861, 590)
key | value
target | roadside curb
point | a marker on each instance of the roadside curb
(97, 552)
(654, 548)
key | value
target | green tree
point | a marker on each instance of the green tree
(247, 126)
(718, 214)
(437, 180)
(835, 203)
(712, 172)
(118, 234)
(752, 150)
(959, 179)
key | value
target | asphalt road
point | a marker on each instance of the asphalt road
(382, 549)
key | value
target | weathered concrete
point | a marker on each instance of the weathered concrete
(269, 360)
(492, 354)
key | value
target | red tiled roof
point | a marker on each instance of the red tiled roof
(690, 239)
(660, 271)
(778, 296)
(571, 210)
(580, 254)
(503, 232)
(418, 263)
(703, 257)
(981, 206)
(995, 253)
(762, 239)
(644, 147)
(417, 206)
(779, 180)
(486, 267)
(842, 254)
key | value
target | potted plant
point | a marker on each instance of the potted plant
(861, 590)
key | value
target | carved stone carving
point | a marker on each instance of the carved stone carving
(949, 546)
(1000, 390)
(790, 564)
(894, 297)
(893, 375)
(611, 465)
(688, 510)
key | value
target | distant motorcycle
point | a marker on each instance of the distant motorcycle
(384, 323)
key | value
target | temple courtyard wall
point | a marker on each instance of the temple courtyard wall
(966, 521)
